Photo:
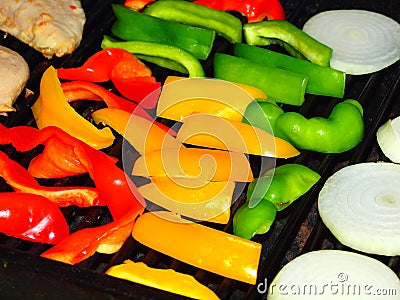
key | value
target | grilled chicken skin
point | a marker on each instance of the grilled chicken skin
(13, 77)
(53, 27)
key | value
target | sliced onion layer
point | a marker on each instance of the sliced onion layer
(362, 41)
(388, 137)
(360, 204)
(334, 274)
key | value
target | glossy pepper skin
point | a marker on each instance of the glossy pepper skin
(164, 279)
(341, 131)
(52, 109)
(32, 217)
(131, 25)
(282, 185)
(294, 40)
(83, 90)
(254, 10)
(131, 77)
(119, 193)
(284, 86)
(149, 49)
(247, 222)
(186, 12)
(323, 81)
(83, 243)
(201, 246)
(22, 181)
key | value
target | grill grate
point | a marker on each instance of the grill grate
(297, 230)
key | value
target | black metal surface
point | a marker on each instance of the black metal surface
(23, 274)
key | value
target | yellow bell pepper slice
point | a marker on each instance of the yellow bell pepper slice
(142, 134)
(52, 109)
(198, 245)
(164, 279)
(194, 198)
(181, 97)
(204, 164)
(214, 132)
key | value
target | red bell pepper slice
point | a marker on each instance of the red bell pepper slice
(144, 89)
(85, 242)
(22, 181)
(99, 66)
(131, 76)
(113, 185)
(254, 10)
(32, 217)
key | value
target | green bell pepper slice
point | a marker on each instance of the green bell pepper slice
(147, 49)
(131, 25)
(272, 192)
(247, 222)
(285, 33)
(323, 81)
(284, 86)
(186, 12)
(282, 185)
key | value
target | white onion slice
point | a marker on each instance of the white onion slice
(334, 274)
(362, 41)
(360, 204)
(388, 137)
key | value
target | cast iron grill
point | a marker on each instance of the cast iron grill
(297, 229)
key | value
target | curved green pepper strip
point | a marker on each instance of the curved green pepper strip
(282, 185)
(341, 131)
(267, 32)
(186, 12)
(187, 60)
(247, 222)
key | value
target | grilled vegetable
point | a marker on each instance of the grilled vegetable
(164, 279)
(321, 80)
(32, 217)
(131, 77)
(167, 52)
(131, 25)
(142, 134)
(22, 181)
(360, 206)
(341, 131)
(210, 131)
(349, 274)
(217, 97)
(52, 109)
(186, 12)
(254, 10)
(362, 41)
(199, 245)
(284, 86)
(388, 138)
(294, 40)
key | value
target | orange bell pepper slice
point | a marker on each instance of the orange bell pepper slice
(198, 245)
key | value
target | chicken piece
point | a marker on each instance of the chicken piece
(13, 77)
(53, 27)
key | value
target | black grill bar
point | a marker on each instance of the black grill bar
(297, 230)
